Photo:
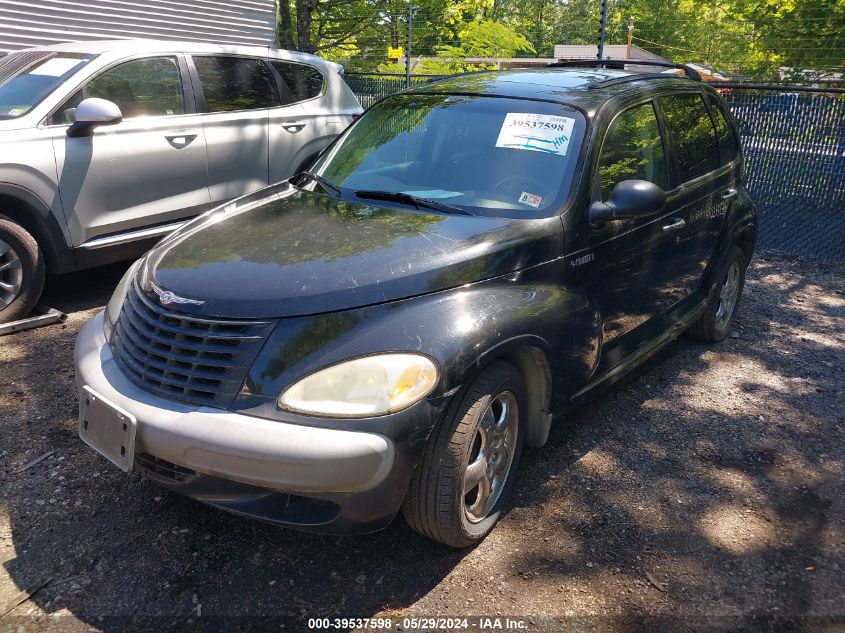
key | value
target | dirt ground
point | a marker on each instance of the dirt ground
(707, 493)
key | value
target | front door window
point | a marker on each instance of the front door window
(632, 150)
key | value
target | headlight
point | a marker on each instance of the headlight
(364, 387)
(119, 295)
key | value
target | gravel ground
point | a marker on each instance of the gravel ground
(705, 493)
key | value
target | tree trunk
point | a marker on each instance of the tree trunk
(304, 10)
(284, 34)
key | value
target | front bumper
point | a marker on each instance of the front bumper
(323, 479)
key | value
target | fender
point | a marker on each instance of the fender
(527, 318)
(740, 228)
(311, 148)
(27, 209)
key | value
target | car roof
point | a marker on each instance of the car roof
(133, 46)
(581, 87)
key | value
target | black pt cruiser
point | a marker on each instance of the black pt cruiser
(386, 331)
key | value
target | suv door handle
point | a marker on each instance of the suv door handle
(181, 139)
(294, 126)
(677, 223)
(729, 193)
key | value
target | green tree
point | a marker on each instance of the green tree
(483, 38)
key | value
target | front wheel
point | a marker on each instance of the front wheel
(461, 485)
(21, 272)
(715, 323)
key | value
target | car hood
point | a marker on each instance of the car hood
(285, 252)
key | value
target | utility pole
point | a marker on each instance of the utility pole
(408, 46)
(602, 27)
(630, 50)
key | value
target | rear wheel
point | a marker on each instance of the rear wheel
(22, 272)
(715, 323)
(460, 487)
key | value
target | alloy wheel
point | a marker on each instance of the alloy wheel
(728, 295)
(11, 274)
(491, 456)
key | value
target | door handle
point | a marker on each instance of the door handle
(729, 193)
(182, 138)
(294, 126)
(676, 224)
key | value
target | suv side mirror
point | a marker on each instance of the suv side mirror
(629, 199)
(92, 113)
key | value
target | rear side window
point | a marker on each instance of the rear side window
(727, 143)
(236, 83)
(692, 131)
(141, 87)
(304, 82)
(632, 150)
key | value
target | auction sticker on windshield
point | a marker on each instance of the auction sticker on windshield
(546, 133)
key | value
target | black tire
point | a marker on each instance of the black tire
(16, 305)
(710, 327)
(435, 504)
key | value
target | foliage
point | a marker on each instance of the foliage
(484, 38)
(754, 38)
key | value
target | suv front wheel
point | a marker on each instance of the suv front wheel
(22, 272)
(460, 487)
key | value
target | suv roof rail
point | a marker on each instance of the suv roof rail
(692, 73)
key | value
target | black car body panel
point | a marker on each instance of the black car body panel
(301, 253)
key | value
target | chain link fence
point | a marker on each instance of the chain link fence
(794, 144)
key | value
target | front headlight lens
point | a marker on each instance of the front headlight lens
(119, 294)
(364, 387)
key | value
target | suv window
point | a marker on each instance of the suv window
(304, 82)
(727, 143)
(29, 76)
(236, 83)
(692, 130)
(632, 150)
(140, 88)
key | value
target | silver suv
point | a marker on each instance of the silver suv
(107, 146)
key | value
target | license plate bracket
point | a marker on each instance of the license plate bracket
(107, 429)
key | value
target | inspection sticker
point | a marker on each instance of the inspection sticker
(531, 199)
(546, 133)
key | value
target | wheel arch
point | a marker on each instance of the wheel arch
(529, 355)
(29, 211)
(746, 239)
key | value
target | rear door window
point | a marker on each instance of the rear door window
(692, 133)
(632, 150)
(230, 84)
(727, 143)
(303, 81)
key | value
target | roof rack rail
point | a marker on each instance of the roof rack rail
(621, 63)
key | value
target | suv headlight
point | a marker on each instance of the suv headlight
(119, 295)
(364, 387)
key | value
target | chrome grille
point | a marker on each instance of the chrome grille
(182, 357)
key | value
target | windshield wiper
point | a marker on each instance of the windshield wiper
(407, 198)
(325, 184)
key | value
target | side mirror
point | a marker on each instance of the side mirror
(629, 199)
(92, 113)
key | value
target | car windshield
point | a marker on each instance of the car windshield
(490, 156)
(27, 77)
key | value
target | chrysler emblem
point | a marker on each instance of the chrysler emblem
(166, 298)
